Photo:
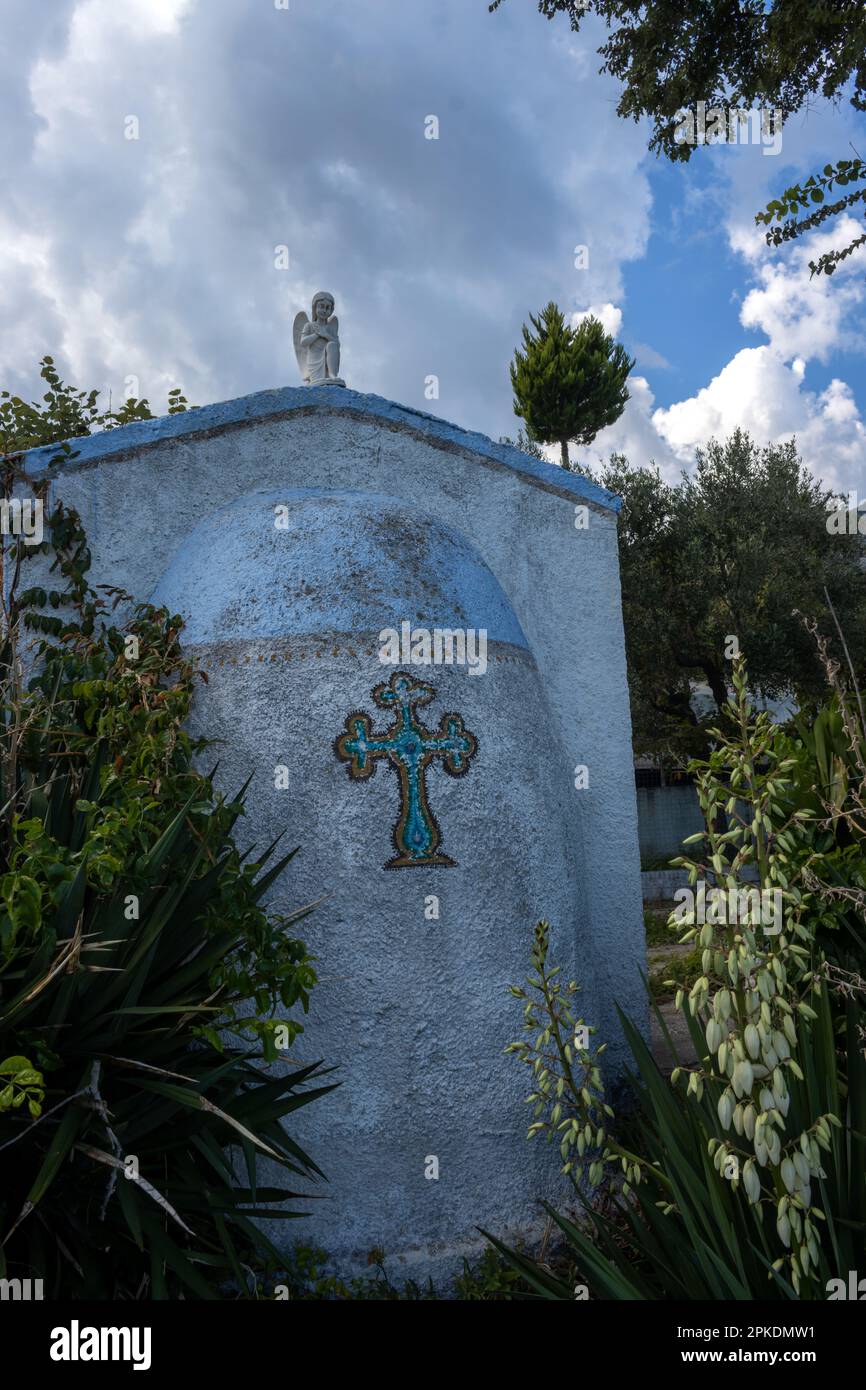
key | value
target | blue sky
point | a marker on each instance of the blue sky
(150, 262)
(690, 285)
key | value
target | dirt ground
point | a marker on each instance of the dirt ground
(676, 1025)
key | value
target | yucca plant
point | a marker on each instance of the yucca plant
(142, 984)
(743, 1176)
(675, 1227)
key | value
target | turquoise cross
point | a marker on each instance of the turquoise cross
(409, 748)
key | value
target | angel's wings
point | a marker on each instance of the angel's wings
(301, 321)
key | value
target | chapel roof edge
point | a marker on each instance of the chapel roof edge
(279, 402)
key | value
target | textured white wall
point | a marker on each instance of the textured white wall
(143, 490)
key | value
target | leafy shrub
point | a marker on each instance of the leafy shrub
(306, 1277)
(141, 981)
(65, 414)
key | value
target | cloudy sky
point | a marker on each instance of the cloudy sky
(266, 124)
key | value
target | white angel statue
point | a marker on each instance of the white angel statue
(317, 343)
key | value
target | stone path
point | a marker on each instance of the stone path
(674, 1021)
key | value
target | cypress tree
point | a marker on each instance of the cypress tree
(568, 383)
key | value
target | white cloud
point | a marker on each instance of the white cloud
(770, 389)
(756, 391)
(805, 315)
(608, 315)
(647, 356)
(155, 257)
(759, 392)
(635, 434)
(260, 128)
(766, 390)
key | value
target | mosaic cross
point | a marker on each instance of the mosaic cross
(409, 748)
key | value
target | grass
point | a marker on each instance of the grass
(650, 862)
(658, 933)
(682, 968)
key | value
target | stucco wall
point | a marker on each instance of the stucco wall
(563, 701)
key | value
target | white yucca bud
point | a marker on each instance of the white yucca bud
(742, 1079)
(749, 1121)
(738, 1118)
(789, 1174)
(752, 1040)
(780, 1045)
(725, 1109)
(751, 1181)
(783, 1226)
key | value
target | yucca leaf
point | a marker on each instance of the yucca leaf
(545, 1284)
(100, 1156)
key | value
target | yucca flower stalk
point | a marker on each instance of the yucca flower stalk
(757, 984)
(742, 1175)
(568, 1098)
